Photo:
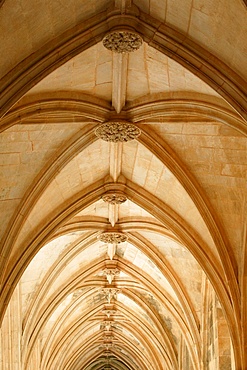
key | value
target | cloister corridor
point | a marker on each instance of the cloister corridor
(123, 185)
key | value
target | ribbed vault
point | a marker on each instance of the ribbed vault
(123, 255)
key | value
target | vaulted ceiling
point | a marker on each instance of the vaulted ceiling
(174, 197)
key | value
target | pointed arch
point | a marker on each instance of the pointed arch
(160, 36)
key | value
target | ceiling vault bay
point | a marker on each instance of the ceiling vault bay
(128, 254)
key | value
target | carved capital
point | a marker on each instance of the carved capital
(110, 293)
(107, 325)
(114, 197)
(117, 131)
(108, 337)
(109, 312)
(111, 273)
(122, 41)
(113, 237)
